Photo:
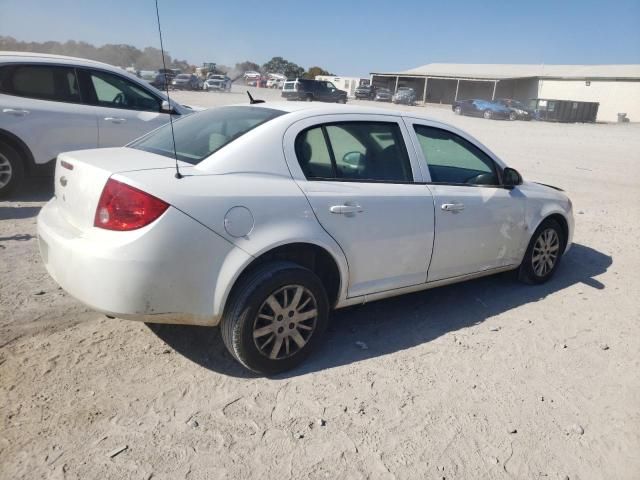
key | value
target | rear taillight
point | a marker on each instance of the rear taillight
(122, 207)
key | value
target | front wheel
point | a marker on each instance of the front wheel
(276, 317)
(309, 98)
(342, 100)
(513, 116)
(487, 114)
(543, 254)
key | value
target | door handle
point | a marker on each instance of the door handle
(346, 209)
(15, 111)
(452, 207)
(115, 119)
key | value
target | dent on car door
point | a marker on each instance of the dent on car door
(125, 109)
(358, 178)
(41, 105)
(479, 224)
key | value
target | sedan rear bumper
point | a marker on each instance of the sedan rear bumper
(165, 272)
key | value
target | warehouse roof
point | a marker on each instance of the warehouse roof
(504, 71)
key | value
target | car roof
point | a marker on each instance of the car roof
(320, 108)
(6, 56)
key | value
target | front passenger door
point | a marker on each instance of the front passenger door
(125, 110)
(479, 225)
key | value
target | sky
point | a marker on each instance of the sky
(345, 37)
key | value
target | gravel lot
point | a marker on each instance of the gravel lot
(487, 379)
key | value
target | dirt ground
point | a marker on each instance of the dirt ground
(489, 379)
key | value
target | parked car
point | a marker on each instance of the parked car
(405, 96)
(519, 111)
(275, 82)
(221, 83)
(481, 108)
(51, 104)
(186, 81)
(313, 90)
(161, 81)
(365, 92)
(290, 211)
(383, 95)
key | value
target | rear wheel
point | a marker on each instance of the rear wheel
(11, 170)
(457, 110)
(543, 254)
(513, 116)
(487, 114)
(276, 318)
(309, 98)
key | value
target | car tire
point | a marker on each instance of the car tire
(342, 100)
(308, 98)
(457, 110)
(547, 245)
(487, 114)
(513, 116)
(263, 339)
(11, 170)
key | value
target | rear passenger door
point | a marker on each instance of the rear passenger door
(125, 109)
(359, 177)
(42, 105)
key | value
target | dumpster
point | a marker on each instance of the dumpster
(567, 111)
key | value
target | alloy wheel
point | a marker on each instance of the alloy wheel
(6, 171)
(285, 322)
(545, 252)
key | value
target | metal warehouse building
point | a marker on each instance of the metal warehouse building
(615, 87)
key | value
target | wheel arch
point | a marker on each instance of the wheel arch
(332, 271)
(561, 219)
(17, 144)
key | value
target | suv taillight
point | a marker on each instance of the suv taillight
(122, 207)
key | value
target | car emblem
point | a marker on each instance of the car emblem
(63, 181)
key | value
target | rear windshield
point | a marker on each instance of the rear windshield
(201, 134)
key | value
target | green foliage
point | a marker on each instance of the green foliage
(313, 72)
(284, 67)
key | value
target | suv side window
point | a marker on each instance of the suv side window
(113, 91)
(453, 160)
(42, 82)
(354, 151)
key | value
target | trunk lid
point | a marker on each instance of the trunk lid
(80, 177)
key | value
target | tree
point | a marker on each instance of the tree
(284, 67)
(313, 72)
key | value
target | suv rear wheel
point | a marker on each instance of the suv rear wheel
(11, 169)
(276, 318)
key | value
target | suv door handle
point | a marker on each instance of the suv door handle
(115, 119)
(346, 209)
(16, 112)
(453, 207)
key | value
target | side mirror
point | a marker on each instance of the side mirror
(166, 107)
(511, 177)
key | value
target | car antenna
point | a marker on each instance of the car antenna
(252, 100)
(178, 175)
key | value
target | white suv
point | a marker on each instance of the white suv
(51, 104)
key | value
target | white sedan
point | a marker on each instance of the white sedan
(283, 212)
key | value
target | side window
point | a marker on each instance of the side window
(355, 151)
(313, 154)
(116, 92)
(452, 159)
(42, 82)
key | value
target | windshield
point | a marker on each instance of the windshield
(184, 76)
(199, 135)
